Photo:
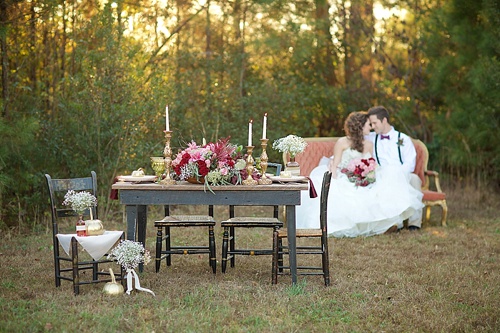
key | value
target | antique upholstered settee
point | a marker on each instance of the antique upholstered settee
(431, 188)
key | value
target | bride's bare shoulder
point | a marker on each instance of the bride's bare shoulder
(344, 142)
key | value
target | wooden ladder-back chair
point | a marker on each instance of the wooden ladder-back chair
(164, 235)
(431, 188)
(321, 249)
(69, 267)
(229, 247)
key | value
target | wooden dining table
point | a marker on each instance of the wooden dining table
(138, 196)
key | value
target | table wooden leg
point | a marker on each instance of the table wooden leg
(292, 244)
(136, 225)
(131, 212)
(142, 219)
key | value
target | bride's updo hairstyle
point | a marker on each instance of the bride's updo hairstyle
(353, 128)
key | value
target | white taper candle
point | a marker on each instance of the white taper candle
(167, 125)
(264, 127)
(250, 132)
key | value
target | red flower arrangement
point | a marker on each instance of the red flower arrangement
(219, 163)
(361, 171)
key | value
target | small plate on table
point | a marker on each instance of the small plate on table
(135, 179)
(292, 179)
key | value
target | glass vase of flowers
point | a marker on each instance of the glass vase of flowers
(290, 146)
(219, 163)
(80, 202)
(361, 171)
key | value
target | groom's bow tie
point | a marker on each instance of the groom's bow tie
(385, 137)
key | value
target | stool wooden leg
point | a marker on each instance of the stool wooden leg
(325, 263)
(232, 237)
(74, 257)
(274, 270)
(159, 236)
(57, 263)
(211, 245)
(280, 255)
(225, 240)
(168, 247)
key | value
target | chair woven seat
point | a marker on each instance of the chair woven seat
(252, 222)
(301, 233)
(186, 220)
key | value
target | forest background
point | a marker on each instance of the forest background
(84, 84)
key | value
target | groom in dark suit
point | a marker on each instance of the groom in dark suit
(393, 147)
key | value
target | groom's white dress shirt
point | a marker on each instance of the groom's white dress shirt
(388, 153)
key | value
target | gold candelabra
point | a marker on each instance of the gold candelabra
(263, 163)
(250, 160)
(167, 152)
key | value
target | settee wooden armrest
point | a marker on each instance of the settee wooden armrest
(432, 178)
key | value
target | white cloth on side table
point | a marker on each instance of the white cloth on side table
(96, 246)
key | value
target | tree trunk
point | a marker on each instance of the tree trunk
(5, 65)
(358, 44)
(325, 55)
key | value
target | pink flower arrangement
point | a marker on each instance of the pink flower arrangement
(361, 171)
(219, 163)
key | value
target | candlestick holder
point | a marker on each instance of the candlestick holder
(167, 152)
(264, 180)
(250, 160)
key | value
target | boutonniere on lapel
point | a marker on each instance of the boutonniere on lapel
(400, 142)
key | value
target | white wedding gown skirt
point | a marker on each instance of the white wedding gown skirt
(361, 211)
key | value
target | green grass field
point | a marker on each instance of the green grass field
(440, 279)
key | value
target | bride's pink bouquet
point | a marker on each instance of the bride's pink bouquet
(361, 171)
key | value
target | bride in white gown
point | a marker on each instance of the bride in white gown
(356, 210)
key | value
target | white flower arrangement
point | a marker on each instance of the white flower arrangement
(130, 254)
(290, 144)
(80, 201)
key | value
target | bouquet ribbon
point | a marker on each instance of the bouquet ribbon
(131, 273)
